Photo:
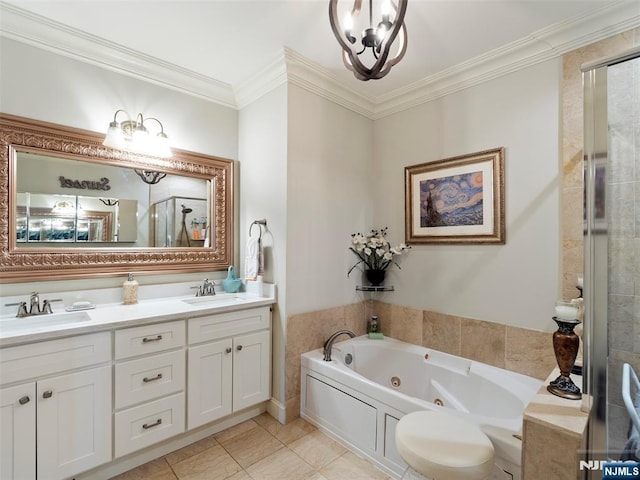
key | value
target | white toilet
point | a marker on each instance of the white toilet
(439, 446)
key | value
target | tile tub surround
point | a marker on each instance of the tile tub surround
(308, 331)
(554, 431)
(521, 350)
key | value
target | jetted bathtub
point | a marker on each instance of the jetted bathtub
(358, 397)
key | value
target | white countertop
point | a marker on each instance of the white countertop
(14, 331)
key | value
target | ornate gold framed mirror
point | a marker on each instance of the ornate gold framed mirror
(72, 208)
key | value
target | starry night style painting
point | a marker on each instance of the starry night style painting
(456, 200)
(451, 201)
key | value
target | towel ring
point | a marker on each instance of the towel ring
(260, 223)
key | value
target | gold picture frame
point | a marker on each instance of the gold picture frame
(457, 200)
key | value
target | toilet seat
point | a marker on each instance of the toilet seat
(444, 447)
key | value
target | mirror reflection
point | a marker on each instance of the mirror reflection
(69, 219)
(63, 202)
(74, 208)
(181, 222)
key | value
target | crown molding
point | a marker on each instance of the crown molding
(36, 30)
(289, 66)
(266, 79)
(542, 45)
(309, 75)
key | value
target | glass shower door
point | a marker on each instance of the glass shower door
(612, 248)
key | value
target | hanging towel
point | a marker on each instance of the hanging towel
(254, 259)
(260, 257)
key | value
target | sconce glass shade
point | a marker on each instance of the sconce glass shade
(379, 38)
(133, 135)
(161, 146)
(115, 136)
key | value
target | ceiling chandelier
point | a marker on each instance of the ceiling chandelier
(134, 135)
(149, 176)
(379, 38)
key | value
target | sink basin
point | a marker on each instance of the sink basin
(213, 300)
(40, 321)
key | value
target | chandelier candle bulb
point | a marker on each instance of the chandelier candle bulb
(566, 310)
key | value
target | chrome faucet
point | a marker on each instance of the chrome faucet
(328, 345)
(206, 289)
(34, 306)
(34, 303)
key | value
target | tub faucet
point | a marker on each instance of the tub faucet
(328, 345)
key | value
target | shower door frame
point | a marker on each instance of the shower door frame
(596, 290)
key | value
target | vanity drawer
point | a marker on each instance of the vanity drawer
(149, 423)
(44, 358)
(213, 327)
(131, 342)
(149, 377)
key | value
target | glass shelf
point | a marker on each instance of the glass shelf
(374, 288)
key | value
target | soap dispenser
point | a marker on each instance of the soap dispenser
(373, 324)
(130, 290)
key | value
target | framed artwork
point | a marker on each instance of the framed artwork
(456, 200)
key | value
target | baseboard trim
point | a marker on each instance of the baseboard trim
(277, 410)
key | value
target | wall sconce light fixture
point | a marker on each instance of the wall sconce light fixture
(378, 38)
(134, 135)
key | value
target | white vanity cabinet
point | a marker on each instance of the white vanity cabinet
(149, 379)
(18, 432)
(229, 360)
(61, 408)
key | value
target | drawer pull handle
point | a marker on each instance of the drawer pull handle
(152, 379)
(24, 400)
(228, 350)
(47, 394)
(147, 426)
(239, 347)
(155, 339)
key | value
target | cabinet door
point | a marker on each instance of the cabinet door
(18, 432)
(74, 423)
(251, 369)
(209, 382)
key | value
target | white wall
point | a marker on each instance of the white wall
(263, 195)
(329, 196)
(516, 283)
(41, 85)
(38, 84)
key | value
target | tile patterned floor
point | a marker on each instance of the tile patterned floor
(260, 449)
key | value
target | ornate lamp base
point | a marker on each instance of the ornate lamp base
(565, 347)
(565, 388)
